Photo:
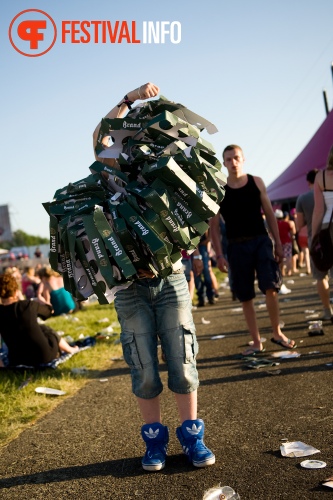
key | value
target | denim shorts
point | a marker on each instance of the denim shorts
(158, 309)
(250, 260)
(187, 268)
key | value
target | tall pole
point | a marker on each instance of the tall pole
(326, 102)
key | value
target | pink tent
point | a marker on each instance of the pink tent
(292, 181)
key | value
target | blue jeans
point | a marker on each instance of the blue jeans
(153, 309)
(203, 281)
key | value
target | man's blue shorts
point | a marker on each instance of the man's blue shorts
(253, 259)
(153, 309)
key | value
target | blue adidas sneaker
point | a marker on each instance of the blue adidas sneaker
(156, 437)
(190, 435)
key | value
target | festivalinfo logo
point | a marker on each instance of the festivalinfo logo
(33, 32)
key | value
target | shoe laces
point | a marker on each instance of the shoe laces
(156, 448)
(197, 445)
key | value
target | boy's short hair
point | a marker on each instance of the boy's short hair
(231, 147)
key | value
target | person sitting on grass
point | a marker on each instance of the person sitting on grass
(51, 291)
(28, 342)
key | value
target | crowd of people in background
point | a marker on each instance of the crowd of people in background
(42, 284)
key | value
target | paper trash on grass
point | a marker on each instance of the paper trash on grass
(217, 337)
(108, 329)
(205, 321)
(79, 371)
(294, 449)
(49, 391)
(115, 324)
(285, 354)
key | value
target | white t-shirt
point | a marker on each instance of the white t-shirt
(328, 196)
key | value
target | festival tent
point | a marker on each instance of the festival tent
(292, 181)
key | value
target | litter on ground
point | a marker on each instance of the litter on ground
(285, 354)
(294, 449)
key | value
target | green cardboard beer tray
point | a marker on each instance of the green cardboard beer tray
(167, 170)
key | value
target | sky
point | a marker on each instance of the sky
(256, 69)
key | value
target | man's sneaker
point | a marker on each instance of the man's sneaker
(190, 435)
(284, 290)
(156, 437)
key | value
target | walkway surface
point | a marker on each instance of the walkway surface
(89, 447)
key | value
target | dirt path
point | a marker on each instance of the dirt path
(89, 447)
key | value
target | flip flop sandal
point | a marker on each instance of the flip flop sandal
(282, 343)
(252, 352)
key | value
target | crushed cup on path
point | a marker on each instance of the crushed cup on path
(285, 354)
(315, 328)
(221, 492)
(293, 449)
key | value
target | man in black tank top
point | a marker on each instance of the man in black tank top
(252, 252)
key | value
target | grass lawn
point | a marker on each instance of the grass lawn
(21, 406)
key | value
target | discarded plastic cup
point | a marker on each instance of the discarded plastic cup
(221, 493)
(315, 328)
